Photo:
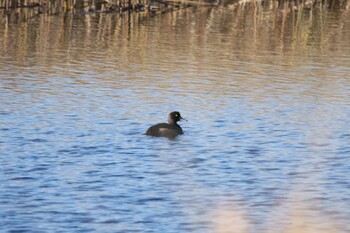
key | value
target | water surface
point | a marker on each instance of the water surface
(266, 92)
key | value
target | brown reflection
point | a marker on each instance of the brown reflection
(249, 27)
(204, 45)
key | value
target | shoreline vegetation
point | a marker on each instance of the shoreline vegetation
(27, 9)
(54, 7)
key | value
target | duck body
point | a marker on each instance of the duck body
(169, 130)
(164, 130)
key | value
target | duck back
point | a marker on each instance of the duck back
(164, 130)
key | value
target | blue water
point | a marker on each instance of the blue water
(267, 130)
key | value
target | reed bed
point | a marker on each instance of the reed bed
(106, 6)
(73, 6)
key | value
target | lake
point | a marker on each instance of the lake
(265, 90)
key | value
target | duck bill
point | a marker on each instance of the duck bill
(183, 119)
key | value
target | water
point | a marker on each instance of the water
(266, 92)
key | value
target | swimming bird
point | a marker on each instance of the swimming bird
(170, 129)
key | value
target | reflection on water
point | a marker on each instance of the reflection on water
(266, 149)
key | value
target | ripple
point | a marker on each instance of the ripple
(38, 140)
(151, 199)
(22, 178)
(113, 221)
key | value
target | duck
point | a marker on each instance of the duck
(170, 129)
